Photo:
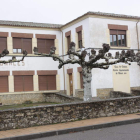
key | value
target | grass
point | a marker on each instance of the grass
(4, 107)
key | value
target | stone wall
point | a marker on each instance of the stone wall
(20, 98)
(119, 94)
(135, 92)
(79, 93)
(42, 115)
(104, 93)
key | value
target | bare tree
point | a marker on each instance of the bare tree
(87, 66)
(6, 52)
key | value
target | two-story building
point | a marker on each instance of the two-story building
(90, 30)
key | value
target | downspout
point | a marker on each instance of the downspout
(63, 59)
(137, 33)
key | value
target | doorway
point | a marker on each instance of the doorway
(71, 84)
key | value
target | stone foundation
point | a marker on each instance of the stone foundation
(79, 93)
(20, 98)
(42, 115)
(136, 92)
(119, 94)
(104, 93)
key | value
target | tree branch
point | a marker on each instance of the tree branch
(55, 58)
(13, 58)
(69, 61)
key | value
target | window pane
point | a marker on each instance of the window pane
(119, 40)
(80, 44)
(114, 40)
(111, 42)
(14, 50)
(123, 40)
(19, 50)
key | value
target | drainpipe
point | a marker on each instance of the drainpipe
(137, 33)
(63, 59)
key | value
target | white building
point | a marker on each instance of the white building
(91, 30)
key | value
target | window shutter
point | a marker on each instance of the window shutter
(49, 44)
(51, 82)
(121, 32)
(79, 36)
(17, 43)
(41, 45)
(68, 41)
(113, 32)
(18, 83)
(3, 43)
(27, 44)
(28, 83)
(42, 82)
(4, 84)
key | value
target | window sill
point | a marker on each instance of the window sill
(17, 54)
(118, 47)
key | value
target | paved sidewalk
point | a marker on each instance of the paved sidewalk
(69, 125)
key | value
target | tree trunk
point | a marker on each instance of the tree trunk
(87, 77)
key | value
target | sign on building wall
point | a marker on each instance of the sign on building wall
(121, 79)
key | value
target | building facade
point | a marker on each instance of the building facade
(90, 30)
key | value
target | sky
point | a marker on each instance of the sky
(62, 11)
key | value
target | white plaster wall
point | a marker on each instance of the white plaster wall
(85, 25)
(34, 63)
(98, 27)
(103, 78)
(34, 31)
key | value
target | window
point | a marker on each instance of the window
(68, 41)
(47, 82)
(118, 38)
(23, 83)
(79, 39)
(3, 43)
(44, 45)
(20, 44)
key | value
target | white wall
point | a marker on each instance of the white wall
(98, 35)
(85, 25)
(34, 63)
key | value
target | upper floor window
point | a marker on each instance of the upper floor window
(118, 38)
(3, 43)
(45, 42)
(79, 34)
(44, 45)
(68, 41)
(80, 39)
(3, 40)
(20, 44)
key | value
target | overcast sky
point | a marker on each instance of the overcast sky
(62, 11)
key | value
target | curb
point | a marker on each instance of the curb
(71, 130)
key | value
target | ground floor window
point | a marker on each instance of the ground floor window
(23, 83)
(4, 87)
(47, 82)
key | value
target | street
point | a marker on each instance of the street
(124, 132)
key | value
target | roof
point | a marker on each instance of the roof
(29, 24)
(105, 14)
(58, 26)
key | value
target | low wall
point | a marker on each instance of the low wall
(135, 92)
(42, 115)
(104, 93)
(79, 93)
(20, 98)
(119, 94)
